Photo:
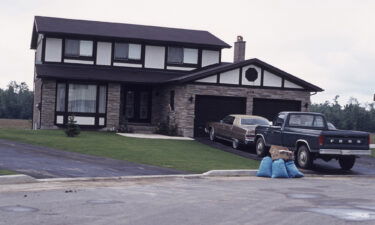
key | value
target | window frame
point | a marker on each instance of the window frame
(96, 114)
(79, 57)
(167, 63)
(120, 60)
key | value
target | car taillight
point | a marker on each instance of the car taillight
(321, 140)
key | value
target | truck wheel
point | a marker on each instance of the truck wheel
(235, 144)
(304, 158)
(347, 162)
(212, 134)
(261, 148)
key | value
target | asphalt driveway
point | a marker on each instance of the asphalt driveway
(364, 165)
(43, 162)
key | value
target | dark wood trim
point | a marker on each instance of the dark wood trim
(240, 77)
(200, 58)
(143, 55)
(261, 77)
(250, 86)
(282, 82)
(43, 49)
(218, 78)
(220, 56)
(165, 56)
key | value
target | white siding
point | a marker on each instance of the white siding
(210, 57)
(271, 80)
(257, 81)
(104, 53)
(127, 64)
(288, 84)
(211, 79)
(81, 120)
(101, 121)
(154, 57)
(180, 68)
(53, 50)
(39, 50)
(78, 61)
(60, 119)
(230, 77)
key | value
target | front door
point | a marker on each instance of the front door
(137, 104)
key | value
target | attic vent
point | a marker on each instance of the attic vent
(251, 74)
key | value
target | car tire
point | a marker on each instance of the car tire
(304, 157)
(261, 148)
(235, 144)
(347, 162)
(212, 134)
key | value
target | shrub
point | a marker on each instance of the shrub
(72, 129)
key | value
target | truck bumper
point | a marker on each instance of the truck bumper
(344, 152)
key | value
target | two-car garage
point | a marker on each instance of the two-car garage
(214, 108)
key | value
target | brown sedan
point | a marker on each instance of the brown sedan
(238, 129)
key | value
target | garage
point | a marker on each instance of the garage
(269, 108)
(214, 108)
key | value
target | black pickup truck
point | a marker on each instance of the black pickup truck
(308, 135)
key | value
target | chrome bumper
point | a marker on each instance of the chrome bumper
(344, 152)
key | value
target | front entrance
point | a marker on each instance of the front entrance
(137, 104)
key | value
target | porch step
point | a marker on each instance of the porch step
(142, 128)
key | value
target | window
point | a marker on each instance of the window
(228, 120)
(125, 51)
(82, 98)
(60, 97)
(254, 121)
(306, 121)
(78, 48)
(171, 100)
(102, 98)
(177, 55)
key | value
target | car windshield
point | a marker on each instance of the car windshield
(254, 121)
(304, 120)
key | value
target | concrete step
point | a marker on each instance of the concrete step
(142, 128)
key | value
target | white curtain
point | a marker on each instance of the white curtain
(190, 55)
(134, 51)
(82, 98)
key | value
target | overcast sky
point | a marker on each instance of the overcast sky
(330, 43)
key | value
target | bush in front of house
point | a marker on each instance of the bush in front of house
(72, 128)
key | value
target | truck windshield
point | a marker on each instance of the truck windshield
(302, 120)
(254, 121)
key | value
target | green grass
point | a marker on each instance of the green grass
(189, 156)
(7, 172)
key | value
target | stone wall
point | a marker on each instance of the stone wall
(48, 104)
(113, 106)
(185, 109)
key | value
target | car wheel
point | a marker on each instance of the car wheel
(261, 148)
(347, 162)
(212, 134)
(235, 144)
(304, 158)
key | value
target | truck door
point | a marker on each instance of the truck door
(275, 133)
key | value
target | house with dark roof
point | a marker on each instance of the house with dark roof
(111, 75)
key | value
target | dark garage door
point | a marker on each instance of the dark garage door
(215, 108)
(269, 108)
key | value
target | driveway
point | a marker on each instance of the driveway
(208, 201)
(43, 162)
(364, 165)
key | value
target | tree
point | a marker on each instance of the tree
(16, 101)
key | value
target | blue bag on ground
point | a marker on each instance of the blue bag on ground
(279, 169)
(292, 170)
(265, 168)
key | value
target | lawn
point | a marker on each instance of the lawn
(188, 156)
(6, 172)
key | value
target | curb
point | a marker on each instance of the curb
(17, 179)
(230, 173)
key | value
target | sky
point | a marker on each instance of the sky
(330, 43)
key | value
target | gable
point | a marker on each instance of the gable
(250, 75)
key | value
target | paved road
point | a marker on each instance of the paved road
(42, 162)
(364, 165)
(229, 201)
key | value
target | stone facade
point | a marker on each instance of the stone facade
(185, 109)
(48, 100)
(113, 106)
(36, 102)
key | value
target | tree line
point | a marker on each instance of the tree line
(351, 116)
(16, 101)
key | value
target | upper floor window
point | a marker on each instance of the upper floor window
(126, 51)
(179, 55)
(77, 48)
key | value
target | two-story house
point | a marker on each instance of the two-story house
(108, 74)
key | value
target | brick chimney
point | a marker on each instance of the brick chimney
(239, 49)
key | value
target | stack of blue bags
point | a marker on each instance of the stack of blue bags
(278, 169)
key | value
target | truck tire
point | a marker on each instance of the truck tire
(261, 148)
(347, 162)
(212, 134)
(304, 157)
